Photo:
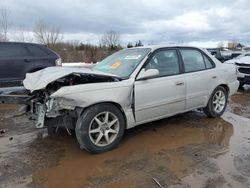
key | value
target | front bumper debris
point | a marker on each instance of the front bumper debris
(41, 112)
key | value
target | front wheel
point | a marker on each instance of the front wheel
(100, 128)
(217, 103)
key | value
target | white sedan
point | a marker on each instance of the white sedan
(130, 87)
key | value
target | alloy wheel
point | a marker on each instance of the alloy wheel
(219, 101)
(104, 128)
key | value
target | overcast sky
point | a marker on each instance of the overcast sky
(153, 21)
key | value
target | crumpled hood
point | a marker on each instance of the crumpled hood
(40, 79)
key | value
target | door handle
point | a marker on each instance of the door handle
(179, 83)
(214, 77)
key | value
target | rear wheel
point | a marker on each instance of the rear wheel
(241, 86)
(100, 128)
(217, 103)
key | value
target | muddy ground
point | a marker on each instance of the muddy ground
(188, 150)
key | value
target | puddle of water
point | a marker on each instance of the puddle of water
(233, 165)
(240, 103)
(146, 151)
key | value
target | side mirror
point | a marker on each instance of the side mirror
(145, 74)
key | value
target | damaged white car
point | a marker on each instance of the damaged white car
(129, 88)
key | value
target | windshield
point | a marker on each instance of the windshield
(122, 63)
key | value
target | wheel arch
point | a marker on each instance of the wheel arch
(117, 105)
(224, 85)
(208, 109)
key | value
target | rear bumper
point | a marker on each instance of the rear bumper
(15, 99)
(14, 95)
(233, 87)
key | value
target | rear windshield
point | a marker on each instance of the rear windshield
(37, 50)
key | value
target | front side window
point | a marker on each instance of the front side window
(123, 62)
(193, 60)
(166, 62)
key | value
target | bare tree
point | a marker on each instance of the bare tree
(111, 39)
(21, 34)
(4, 23)
(46, 34)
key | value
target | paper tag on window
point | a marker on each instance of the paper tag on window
(116, 65)
(132, 57)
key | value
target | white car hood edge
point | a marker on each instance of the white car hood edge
(40, 79)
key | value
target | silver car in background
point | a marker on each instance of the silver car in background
(130, 87)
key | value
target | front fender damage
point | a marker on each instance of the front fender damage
(71, 100)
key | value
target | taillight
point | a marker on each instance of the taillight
(236, 67)
(58, 62)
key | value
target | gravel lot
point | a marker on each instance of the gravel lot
(188, 150)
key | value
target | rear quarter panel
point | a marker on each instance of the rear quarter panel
(227, 76)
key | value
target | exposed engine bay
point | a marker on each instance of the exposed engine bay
(58, 96)
(52, 112)
(48, 111)
(77, 79)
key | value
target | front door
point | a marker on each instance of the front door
(163, 95)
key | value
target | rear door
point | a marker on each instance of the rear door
(200, 77)
(13, 57)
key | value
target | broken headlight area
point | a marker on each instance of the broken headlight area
(52, 108)
(60, 104)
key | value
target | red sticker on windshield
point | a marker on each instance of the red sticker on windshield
(116, 65)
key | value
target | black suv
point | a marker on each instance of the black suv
(17, 59)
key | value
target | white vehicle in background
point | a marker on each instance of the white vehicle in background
(131, 87)
(242, 63)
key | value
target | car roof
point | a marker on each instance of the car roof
(29, 43)
(155, 47)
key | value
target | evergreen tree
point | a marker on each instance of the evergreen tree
(130, 45)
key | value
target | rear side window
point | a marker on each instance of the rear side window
(36, 51)
(208, 63)
(12, 50)
(193, 60)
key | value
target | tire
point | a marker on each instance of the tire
(100, 128)
(241, 86)
(51, 131)
(51, 125)
(216, 104)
